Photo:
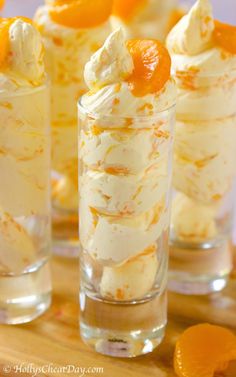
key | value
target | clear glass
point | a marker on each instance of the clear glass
(25, 287)
(124, 187)
(203, 179)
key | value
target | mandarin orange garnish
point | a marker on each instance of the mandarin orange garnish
(152, 65)
(203, 350)
(80, 13)
(225, 36)
(125, 9)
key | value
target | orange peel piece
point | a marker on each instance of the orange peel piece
(152, 66)
(203, 350)
(125, 9)
(80, 13)
(225, 36)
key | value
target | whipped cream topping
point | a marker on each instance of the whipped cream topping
(25, 65)
(192, 47)
(105, 74)
(124, 152)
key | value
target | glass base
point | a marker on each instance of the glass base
(122, 344)
(25, 297)
(199, 285)
(199, 269)
(65, 233)
(123, 329)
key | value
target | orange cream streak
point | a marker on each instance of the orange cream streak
(125, 9)
(152, 65)
(225, 36)
(80, 13)
(5, 24)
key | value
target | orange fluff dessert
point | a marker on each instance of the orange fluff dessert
(24, 147)
(72, 31)
(204, 64)
(146, 18)
(124, 153)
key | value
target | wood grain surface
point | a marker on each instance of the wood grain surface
(54, 337)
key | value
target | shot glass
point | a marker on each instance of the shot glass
(203, 178)
(25, 287)
(124, 187)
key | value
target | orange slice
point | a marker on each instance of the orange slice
(152, 65)
(80, 13)
(5, 24)
(203, 350)
(125, 9)
(225, 36)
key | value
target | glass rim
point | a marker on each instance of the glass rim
(90, 114)
(23, 91)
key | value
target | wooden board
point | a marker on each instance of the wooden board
(54, 337)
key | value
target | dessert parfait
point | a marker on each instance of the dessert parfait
(146, 18)
(72, 31)
(126, 121)
(25, 173)
(203, 55)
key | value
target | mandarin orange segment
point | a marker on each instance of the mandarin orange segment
(152, 65)
(80, 13)
(125, 9)
(225, 36)
(203, 350)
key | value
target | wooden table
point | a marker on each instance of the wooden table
(54, 337)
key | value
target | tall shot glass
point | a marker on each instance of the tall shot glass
(203, 178)
(124, 186)
(25, 287)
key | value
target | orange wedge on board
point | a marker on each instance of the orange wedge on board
(203, 350)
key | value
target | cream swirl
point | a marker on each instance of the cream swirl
(192, 47)
(106, 75)
(25, 64)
